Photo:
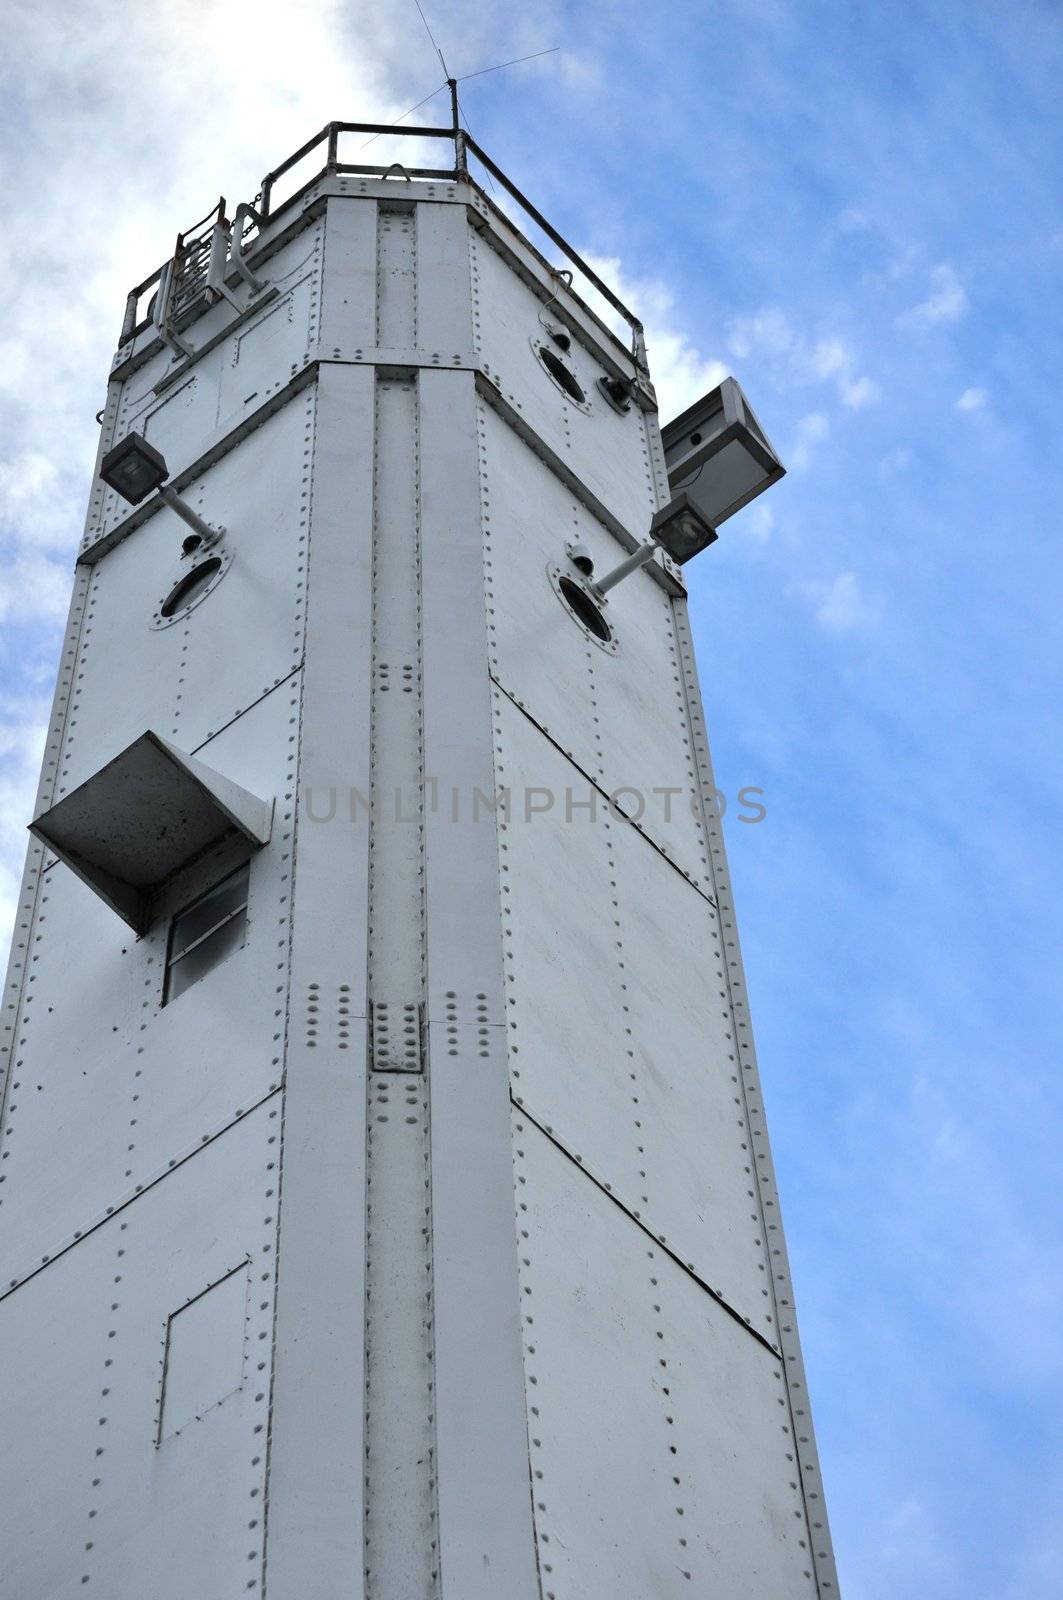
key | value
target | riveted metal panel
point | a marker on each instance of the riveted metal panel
(538, 653)
(184, 406)
(396, 883)
(190, 678)
(115, 1088)
(485, 1541)
(348, 288)
(317, 1446)
(266, 351)
(444, 306)
(646, 757)
(780, 1281)
(699, 1191)
(606, 449)
(632, 1069)
(619, 713)
(94, 1495)
(401, 1518)
(661, 1453)
(179, 422)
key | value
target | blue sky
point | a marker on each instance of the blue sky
(854, 208)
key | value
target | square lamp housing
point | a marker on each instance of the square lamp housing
(718, 455)
(681, 529)
(134, 468)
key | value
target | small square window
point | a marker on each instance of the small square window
(205, 932)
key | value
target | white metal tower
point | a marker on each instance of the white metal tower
(386, 1206)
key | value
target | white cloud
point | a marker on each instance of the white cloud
(681, 373)
(838, 603)
(972, 400)
(758, 521)
(173, 110)
(33, 587)
(859, 392)
(811, 430)
(946, 301)
(800, 360)
(767, 330)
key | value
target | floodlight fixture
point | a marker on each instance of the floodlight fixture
(681, 529)
(134, 469)
(718, 454)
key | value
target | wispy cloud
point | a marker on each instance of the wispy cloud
(681, 372)
(810, 431)
(838, 604)
(972, 400)
(758, 522)
(800, 360)
(946, 300)
(32, 587)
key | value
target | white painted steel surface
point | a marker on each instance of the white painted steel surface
(257, 1244)
(99, 1501)
(635, 1074)
(663, 1460)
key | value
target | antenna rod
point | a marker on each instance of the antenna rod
(461, 159)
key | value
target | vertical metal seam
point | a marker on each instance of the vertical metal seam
(406, 1090)
(809, 1476)
(312, 407)
(501, 846)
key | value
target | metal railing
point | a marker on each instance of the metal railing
(464, 145)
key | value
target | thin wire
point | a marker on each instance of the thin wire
(405, 114)
(514, 63)
(431, 36)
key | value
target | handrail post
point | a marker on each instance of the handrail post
(333, 145)
(236, 245)
(129, 321)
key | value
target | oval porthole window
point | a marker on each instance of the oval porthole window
(584, 609)
(562, 375)
(191, 587)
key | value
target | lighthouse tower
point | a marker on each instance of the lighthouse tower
(386, 1205)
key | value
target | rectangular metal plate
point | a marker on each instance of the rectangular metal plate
(620, 713)
(88, 1496)
(262, 355)
(205, 1357)
(620, 1032)
(190, 678)
(199, 402)
(662, 1457)
(602, 446)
